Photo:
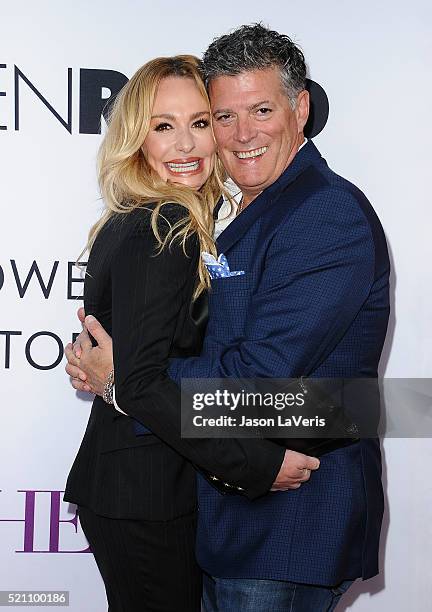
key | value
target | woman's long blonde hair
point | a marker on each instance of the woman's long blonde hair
(128, 182)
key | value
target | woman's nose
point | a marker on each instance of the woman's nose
(185, 141)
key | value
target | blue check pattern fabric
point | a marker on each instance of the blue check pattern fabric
(218, 268)
(314, 301)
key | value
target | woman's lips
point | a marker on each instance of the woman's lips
(185, 167)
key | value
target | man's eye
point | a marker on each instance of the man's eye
(224, 117)
(264, 110)
(201, 123)
(163, 127)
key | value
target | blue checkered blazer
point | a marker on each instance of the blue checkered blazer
(314, 299)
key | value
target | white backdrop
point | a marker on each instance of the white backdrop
(373, 60)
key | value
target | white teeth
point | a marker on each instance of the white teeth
(186, 167)
(253, 153)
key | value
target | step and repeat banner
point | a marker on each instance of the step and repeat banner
(59, 63)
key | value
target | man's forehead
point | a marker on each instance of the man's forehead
(245, 88)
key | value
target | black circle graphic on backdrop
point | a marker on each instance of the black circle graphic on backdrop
(319, 109)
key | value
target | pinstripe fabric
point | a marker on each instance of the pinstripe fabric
(313, 300)
(146, 566)
(136, 495)
(116, 473)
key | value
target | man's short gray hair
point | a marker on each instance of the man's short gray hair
(255, 47)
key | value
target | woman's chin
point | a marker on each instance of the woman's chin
(193, 182)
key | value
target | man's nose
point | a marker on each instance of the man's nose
(185, 141)
(245, 131)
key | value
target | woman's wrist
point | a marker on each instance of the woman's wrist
(107, 394)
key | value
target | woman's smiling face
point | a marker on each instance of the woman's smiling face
(179, 145)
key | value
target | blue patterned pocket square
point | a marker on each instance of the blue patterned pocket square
(218, 268)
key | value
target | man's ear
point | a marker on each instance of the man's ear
(302, 110)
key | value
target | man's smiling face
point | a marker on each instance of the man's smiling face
(257, 131)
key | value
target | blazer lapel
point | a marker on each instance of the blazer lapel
(306, 157)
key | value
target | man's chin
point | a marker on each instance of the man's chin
(250, 177)
(248, 183)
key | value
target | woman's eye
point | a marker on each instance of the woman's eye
(162, 127)
(201, 123)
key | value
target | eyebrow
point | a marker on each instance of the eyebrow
(249, 108)
(172, 118)
(259, 104)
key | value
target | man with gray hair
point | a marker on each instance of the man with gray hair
(313, 301)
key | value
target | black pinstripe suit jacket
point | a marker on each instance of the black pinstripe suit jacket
(144, 301)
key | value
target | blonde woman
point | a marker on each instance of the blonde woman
(160, 179)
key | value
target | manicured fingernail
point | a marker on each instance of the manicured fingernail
(90, 319)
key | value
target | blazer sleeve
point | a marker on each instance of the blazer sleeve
(319, 271)
(147, 293)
